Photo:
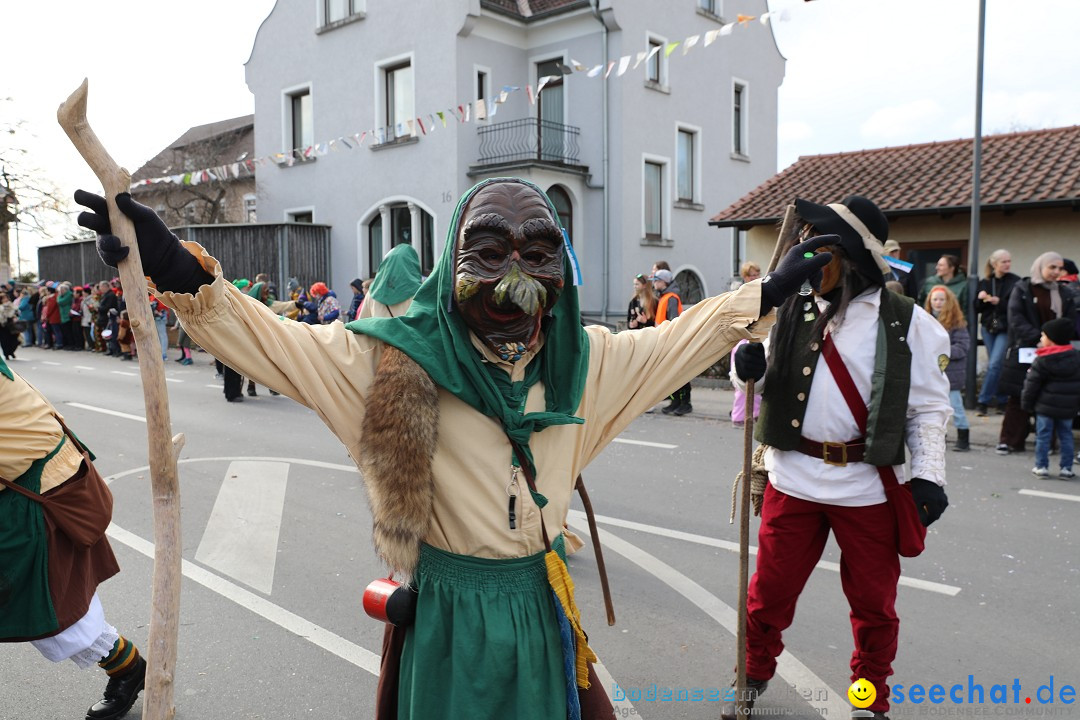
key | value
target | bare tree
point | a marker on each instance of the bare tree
(27, 196)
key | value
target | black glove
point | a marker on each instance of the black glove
(164, 259)
(929, 498)
(794, 269)
(750, 361)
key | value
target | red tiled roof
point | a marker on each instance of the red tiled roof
(1031, 168)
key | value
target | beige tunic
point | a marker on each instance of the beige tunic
(29, 432)
(328, 369)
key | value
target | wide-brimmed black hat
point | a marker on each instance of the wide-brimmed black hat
(862, 228)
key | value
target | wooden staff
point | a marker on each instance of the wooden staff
(164, 449)
(597, 550)
(784, 242)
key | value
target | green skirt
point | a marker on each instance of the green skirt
(485, 643)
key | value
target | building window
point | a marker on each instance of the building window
(340, 9)
(400, 216)
(738, 119)
(249, 208)
(685, 165)
(301, 131)
(712, 7)
(653, 205)
(561, 200)
(482, 91)
(652, 70)
(399, 99)
(302, 216)
(654, 67)
(691, 289)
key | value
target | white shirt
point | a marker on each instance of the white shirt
(829, 419)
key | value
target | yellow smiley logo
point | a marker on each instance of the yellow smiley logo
(862, 693)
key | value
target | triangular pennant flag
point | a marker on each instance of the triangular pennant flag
(710, 37)
(334, 145)
(322, 149)
(595, 71)
(461, 113)
(431, 122)
(690, 42)
(421, 124)
(564, 69)
(493, 108)
(764, 19)
(743, 19)
(344, 142)
(655, 49)
(624, 62)
(468, 108)
(726, 30)
(236, 170)
(576, 65)
(502, 97)
(529, 93)
(670, 48)
(640, 56)
(544, 81)
(442, 117)
(481, 110)
(360, 138)
(609, 66)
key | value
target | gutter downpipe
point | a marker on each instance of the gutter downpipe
(605, 273)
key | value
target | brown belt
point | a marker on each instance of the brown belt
(834, 453)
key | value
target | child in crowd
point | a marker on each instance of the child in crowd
(1052, 392)
(943, 305)
(125, 338)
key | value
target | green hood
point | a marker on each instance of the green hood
(434, 335)
(399, 276)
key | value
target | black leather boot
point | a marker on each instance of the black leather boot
(962, 441)
(120, 693)
(754, 688)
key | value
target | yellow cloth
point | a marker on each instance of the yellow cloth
(559, 577)
(30, 432)
(329, 369)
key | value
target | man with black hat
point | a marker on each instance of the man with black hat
(854, 372)
(470, 416)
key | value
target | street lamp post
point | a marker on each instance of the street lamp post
(976, 204)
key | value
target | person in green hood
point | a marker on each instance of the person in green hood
(470, 418)
(397, 281)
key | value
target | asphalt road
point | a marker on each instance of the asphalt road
(277, 552)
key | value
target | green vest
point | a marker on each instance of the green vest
(787, 385)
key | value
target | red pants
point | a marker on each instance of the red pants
(790, 542)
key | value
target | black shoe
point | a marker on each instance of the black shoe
(670, 408)
(683, 409)
(754, 688)
(238, 398)
(120, 694)
(251, 390)
(1002, 449)
(963, 443)
(980, 410)
(274, 393)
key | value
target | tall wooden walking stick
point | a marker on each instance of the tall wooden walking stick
(163, 449)
(783, 243)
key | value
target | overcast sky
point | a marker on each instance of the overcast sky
(860, 73)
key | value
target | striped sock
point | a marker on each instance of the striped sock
(122, 657)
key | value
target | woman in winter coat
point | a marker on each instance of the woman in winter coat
(952, 276)
(1034, 301)
(26, 316)
(992, 303)
(942, 304)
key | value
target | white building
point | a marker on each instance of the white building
(634, 162)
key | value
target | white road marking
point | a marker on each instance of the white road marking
(106, 411)
(216, 387)
(788, 667)
(241, 537)
(49, 362)
(315, 634)
(121, 372)
(950, 590)
(185, 461)
(84, 367)
(623, 708)
(173, 380)
(1051, 495)
(662, 446)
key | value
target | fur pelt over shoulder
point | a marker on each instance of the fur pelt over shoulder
(400, 433)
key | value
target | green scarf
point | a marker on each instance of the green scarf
(255, 290)
(5, 370)
(399, 276)
(433, 334)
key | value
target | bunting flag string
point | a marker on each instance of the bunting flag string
(479, 110)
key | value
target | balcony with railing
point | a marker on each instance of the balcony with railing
(528, 141)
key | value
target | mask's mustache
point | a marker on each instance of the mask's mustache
(522, 290)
